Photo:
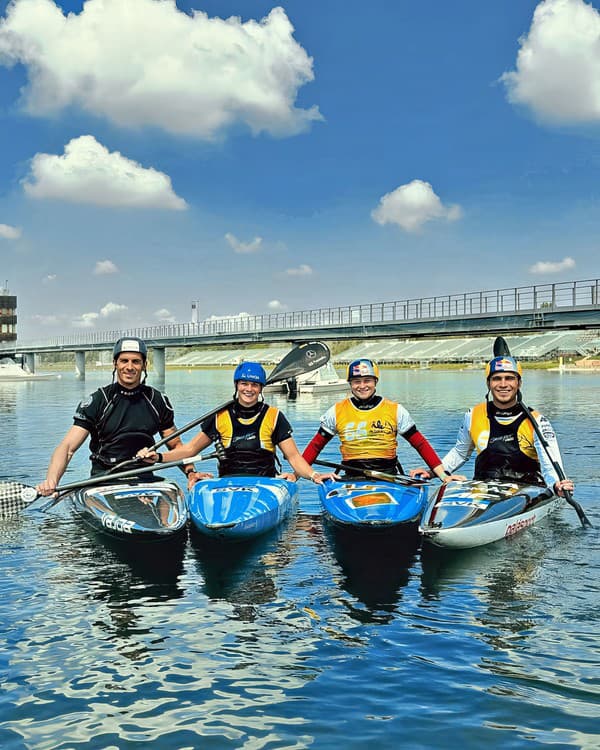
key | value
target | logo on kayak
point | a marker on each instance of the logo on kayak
(514, 528)
(117, 524)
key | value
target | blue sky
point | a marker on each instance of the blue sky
(259, 158)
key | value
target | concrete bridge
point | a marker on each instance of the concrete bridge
(541, 308)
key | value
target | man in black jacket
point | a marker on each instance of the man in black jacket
(119, 418)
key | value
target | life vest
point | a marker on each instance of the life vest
(125, 425)
(505, 446)
(248, 442)
(368, 437)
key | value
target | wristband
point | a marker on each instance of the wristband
(159, 460)
(187, 472)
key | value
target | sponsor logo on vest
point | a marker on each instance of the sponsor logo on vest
(482, 440)
(117, 524)
(513, 528)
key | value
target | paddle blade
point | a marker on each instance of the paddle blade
(303, 358)
(15, 496)
(501, 348)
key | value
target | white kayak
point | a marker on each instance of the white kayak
(469, 514)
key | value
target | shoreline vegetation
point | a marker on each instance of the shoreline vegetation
(66, 365)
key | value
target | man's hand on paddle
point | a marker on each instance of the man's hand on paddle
(422, 473)
(563, 485)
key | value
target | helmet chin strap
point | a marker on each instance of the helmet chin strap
(114, 372)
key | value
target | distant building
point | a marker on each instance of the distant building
(8, 315)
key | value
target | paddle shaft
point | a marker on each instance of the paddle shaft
(294, 363)
(501, 349)
(65, 489)
(585, 521)
(372, 474)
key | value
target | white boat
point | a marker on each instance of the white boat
(323, 380)
(11, 372)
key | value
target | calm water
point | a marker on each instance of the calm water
(304, 639)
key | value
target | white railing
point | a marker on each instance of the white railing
(541, 298)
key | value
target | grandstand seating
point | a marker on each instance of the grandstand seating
(421, 351)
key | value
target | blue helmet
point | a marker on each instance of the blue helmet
(253, 372)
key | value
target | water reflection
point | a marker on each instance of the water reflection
(376, 567)
(121, 576)
(8, 399)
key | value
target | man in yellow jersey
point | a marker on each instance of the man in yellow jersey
(368, 426)
(507, 445)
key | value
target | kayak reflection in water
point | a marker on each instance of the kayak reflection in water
(246, 435)
(368, 426)
(508, 448)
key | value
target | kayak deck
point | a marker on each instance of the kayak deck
(148, 511)
(372, 504)
(240, 507)
(473, 513)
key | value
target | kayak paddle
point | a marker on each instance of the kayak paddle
(302, 358)
(501, 350)
(372, 474)
(15, 496)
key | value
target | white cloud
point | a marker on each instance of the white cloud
(275, 304)
(87, 320)
(302, 270)
(411, 205)
(165, 316)
(89, 173)
(143, 62)
(558, 65)
(46, 320)
(49, 278)
(547, 266)
(104, 267)
(243, 247)
(9, 233)
(111, 309)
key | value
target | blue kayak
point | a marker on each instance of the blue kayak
(372, 504)
(240, 508)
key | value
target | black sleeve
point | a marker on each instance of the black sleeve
(283, 429)
(88, 411)
(209, 427)
(165, 412)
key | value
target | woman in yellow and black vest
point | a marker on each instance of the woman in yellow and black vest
(246, 434)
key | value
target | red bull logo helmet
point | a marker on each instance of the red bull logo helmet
(362, 368)
(503, 364)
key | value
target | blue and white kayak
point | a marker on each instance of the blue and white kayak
(145, 511)
(469, 514)
(240, 508)
(372, 504)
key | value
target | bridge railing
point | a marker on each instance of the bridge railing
(541, 297)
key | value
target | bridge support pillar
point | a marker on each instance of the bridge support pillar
(29, 362)
(80, 365)
(158, 355)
